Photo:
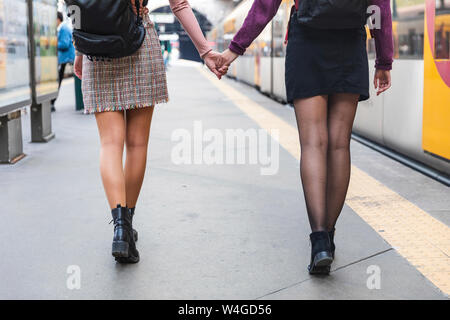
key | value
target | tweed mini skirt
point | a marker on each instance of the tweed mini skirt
(324, 62)
(136, 81)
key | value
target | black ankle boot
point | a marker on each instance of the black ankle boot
(135, 233)
(321, 257)
(333, 247)
(123, 246)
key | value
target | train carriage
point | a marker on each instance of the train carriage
(413, 117)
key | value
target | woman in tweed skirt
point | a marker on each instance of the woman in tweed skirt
(122, 94)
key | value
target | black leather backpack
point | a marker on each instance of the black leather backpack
(106, 28)
(333, 14)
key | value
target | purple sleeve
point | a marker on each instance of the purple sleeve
(258, 17)
(384, 43)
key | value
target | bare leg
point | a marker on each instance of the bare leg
(111, 127)
(138, 131)
(341, 114)
(311, 114)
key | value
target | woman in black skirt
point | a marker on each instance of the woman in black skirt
(326, 75)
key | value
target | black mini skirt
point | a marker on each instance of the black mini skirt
(323, 62)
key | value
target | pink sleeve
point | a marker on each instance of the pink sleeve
(182, 10)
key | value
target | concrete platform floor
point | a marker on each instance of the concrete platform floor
(207, 231)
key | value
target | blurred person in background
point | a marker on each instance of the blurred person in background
(66, 50)
(167, 49)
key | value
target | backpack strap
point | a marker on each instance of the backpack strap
(138, 7)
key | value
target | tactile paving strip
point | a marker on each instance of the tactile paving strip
(421, 239)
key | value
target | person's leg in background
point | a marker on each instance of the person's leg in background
(61, 70)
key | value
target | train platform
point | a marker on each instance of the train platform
(214, 224)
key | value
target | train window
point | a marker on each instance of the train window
(264, 48)
(442, 31)
(279, 33)
(408, 28)
(410, 44)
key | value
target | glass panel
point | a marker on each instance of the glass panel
(408, 27)
(279, 32)
(14, 66)
(45, 38)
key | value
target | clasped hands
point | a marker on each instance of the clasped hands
(218, 63)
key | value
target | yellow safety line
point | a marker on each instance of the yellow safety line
(423, 240)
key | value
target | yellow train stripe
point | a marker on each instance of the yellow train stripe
(421, 239)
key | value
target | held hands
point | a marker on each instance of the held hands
(219, 63)
(215, 63)
(382, 81)
(228, 58)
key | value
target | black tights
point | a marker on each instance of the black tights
(325, 126)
